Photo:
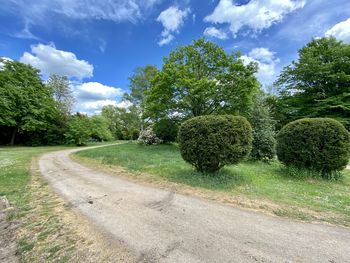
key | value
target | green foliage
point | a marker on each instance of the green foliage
(124, 124)
(99, 129)
(140, 83)
(201, 79)
(319, 144)
(79, 129)
(264, 141)
(318, 83)
(61, 91)
(213, 141)
(166, 129)
(59, 85)
(26, 104)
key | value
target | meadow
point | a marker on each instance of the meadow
(269, 186)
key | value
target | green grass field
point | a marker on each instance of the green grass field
(15, 172)
(253, 180)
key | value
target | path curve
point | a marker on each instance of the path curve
(161, 226)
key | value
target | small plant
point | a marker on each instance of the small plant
(319, 144)
(211, 142)
(148, 137)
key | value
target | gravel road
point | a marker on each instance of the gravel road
(161, 226)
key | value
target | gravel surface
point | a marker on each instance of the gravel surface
(161, 226)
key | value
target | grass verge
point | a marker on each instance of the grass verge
(50, 231)
(250, 184)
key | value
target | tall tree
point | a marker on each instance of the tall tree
(263, 125)
(61, 92)
(26, 104)
(123, 123)
(140, 83)
(318, 83)
(201, 79)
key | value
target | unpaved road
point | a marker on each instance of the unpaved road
(160, 226)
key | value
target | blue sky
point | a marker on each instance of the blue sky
(99, 43)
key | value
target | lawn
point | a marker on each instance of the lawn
(15, 172)
(49, 231)
(307, 199)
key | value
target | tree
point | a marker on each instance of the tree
(26, 104)
(61, 92)
(201, 79)
(140, 83)
(79, 129)
(264, 141)
(123, 123)
(318, 83)
(99, 128)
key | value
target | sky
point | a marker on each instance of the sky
(98, 44)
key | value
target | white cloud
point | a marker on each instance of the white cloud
(116, 11)
(214, 32)
(172, 20)
(256, 15)
(26, 33)
(92, 96)
(340, 31)
(267, 62)
(53, 61)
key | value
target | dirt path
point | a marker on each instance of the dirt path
(160, 226)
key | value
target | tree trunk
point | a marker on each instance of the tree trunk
(13, 137)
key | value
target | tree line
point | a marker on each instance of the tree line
(195, 80)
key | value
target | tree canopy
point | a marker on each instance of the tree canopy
(317, 84)
(201, 79)
(26, 104)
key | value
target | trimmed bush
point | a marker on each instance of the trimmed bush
(319, 144)
(166, 130)
(213, 141)
(148, 137)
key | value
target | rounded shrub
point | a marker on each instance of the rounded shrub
(213, 141)
(319, 144)
(166, 130)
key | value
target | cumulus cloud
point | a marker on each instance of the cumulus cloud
(340, 31)
(267, 62)
(214, 32)
(92, 96)
(172, 20)
(256, 15)
(53, 61)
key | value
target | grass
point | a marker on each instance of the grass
(49, 232)
(306, 199)
(15, 173)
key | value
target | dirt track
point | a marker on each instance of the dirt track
(161, 226)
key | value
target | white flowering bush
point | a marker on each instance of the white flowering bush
(148, 137)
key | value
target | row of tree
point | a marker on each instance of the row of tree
(197, 79)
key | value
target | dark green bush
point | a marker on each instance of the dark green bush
(166, 130)
(319, 144)
(211, 142)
